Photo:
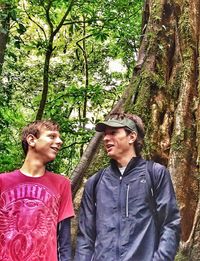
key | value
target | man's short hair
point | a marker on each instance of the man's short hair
(34, 128)
(130, 122)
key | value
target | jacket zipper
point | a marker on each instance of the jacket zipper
(119, 219)
(127, 197)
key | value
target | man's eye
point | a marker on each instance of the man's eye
(52, 136)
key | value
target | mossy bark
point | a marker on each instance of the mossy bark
(168, 100)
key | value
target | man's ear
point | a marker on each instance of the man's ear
(31, 140)
(132, 137)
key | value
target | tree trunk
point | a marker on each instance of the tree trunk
(165, 92)
(49, 51)
(81, 169)
(45, 81)
(4, 31)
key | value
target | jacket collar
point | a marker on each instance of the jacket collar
(132, 163)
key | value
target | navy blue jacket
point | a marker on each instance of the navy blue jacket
(121, 226)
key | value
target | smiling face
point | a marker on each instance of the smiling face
(119, 145)
(46, 146)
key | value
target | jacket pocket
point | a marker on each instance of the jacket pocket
(135, 197)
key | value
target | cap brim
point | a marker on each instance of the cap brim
(101, 126)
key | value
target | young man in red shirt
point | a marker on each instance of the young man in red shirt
(36, 204)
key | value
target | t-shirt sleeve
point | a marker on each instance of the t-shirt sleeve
(66, 209)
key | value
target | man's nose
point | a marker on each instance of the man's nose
(59, 141)
(106, 137)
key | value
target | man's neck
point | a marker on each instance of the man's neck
(123, 162)
(33, 168)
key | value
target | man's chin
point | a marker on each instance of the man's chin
(51, 160)
(111, 155)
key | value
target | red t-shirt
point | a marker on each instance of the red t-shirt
(30, 209)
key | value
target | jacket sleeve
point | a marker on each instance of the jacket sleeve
(64, 240)
(87, 226)
(168, 215)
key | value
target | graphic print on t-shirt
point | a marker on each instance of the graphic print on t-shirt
(28, 222)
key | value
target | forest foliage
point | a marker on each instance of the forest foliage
(65, 60)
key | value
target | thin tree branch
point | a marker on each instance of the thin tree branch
(48, 16)
(64, 17)
(77, 43)
(72, 144)
(32, 20)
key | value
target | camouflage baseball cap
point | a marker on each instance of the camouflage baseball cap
(116, 123)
